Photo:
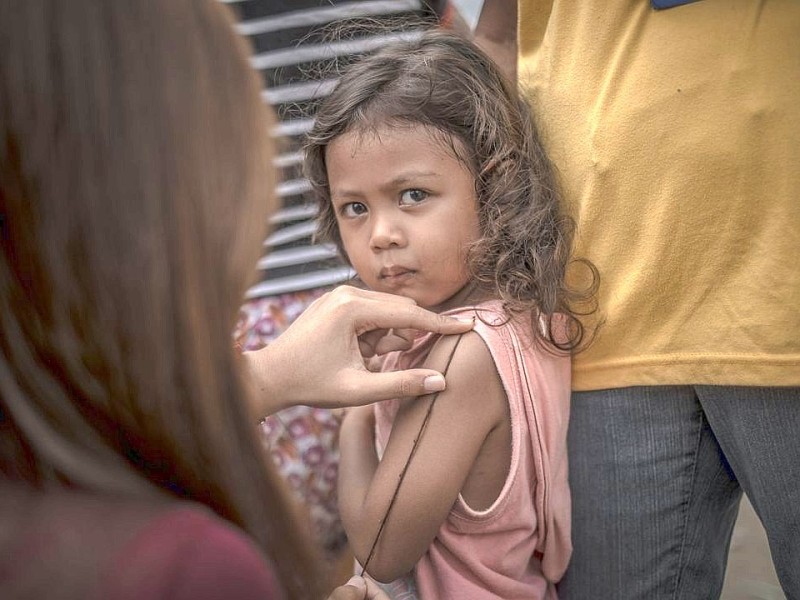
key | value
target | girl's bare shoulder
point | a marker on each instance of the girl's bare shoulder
(473, 383)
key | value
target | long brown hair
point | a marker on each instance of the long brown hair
(446, 83)
(135, 186)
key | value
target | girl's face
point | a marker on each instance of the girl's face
(406, 210)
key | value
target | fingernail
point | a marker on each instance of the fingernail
(433, 383)
(357, 582)
(470, 320)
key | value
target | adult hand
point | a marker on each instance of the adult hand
(320, 359)
(358, 588)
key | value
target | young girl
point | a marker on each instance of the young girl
(433, 183)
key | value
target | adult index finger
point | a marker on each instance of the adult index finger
(409, 316)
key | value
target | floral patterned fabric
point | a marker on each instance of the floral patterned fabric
(302, 441)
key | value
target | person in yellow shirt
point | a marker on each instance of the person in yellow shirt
(676, 129)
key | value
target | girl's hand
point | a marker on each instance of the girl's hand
(358, 588)
(381, 341)
(318, 360)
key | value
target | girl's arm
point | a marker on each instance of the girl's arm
(473, 404)
(496, 34)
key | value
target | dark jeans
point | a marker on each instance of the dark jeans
(657, 474)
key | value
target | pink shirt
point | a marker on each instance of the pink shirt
(70, 545)
(520, 546)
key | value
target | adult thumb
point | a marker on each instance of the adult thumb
(373, 387)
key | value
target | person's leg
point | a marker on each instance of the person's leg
(759, 431)
(653, 501)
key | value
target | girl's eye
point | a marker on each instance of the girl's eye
(411, 197)
(353, 209)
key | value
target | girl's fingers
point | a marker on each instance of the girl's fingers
(359, 588)
(369, 342)
(392, 341)
(374, 592)
(352, 590)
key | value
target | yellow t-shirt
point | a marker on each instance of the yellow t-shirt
(676, 135)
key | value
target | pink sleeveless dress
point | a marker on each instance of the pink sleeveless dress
(520, 546)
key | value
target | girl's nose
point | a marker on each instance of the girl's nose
(386, 234)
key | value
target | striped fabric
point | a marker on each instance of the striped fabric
(296, 66)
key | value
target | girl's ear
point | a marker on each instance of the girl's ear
(489, 167)
(495, 165)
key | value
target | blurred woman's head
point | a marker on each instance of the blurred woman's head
(135, 185)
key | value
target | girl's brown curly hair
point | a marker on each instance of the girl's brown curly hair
(445, 82)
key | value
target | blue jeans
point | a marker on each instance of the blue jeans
(657, 474)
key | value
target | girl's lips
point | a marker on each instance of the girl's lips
(395, 274)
